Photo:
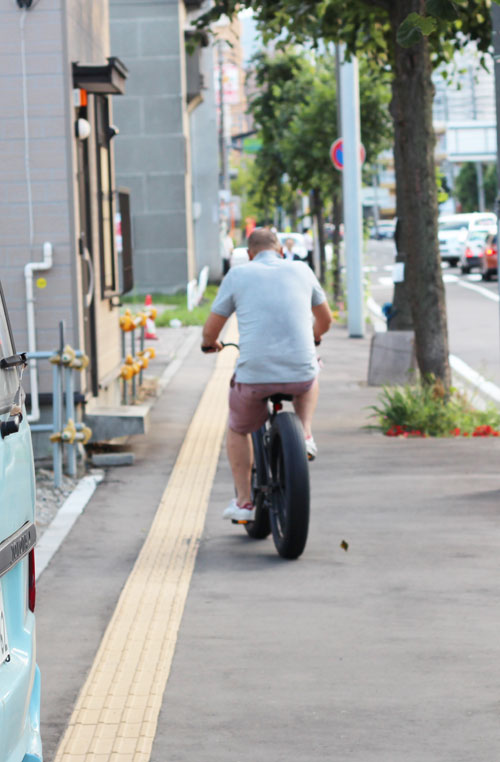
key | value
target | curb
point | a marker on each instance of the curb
(487, 391)
(63, 521)
(75, 504)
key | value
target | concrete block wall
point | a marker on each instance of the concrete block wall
(205, 158)
(152, 151)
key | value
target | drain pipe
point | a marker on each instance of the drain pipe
(29, 269)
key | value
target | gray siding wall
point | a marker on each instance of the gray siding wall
(48, 165)
(56, 33)
(152, 152)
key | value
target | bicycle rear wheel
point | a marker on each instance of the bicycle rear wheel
(290, 496)
(260, 528)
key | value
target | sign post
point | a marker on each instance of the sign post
(337, 153)
(351, 183)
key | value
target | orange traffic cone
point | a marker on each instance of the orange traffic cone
(150, 321)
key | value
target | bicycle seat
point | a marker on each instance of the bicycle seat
(277, 398)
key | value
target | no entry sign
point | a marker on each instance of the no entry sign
(337, 154)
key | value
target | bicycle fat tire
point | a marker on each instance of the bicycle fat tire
(290, 496)
(260, 528)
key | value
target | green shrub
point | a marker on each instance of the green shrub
(424, 409)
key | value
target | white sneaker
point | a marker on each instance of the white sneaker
(235, 513)
(311, 448)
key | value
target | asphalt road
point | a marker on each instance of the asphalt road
(472, 307)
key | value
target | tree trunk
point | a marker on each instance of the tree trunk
(318, 210)
(417, 206)
(400, 318)
(337, 219)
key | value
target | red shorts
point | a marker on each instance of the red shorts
(248, 406)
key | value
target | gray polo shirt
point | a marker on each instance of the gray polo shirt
(272, 298)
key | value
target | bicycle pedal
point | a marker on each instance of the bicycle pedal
(237, 521)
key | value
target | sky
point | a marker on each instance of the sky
(250, 37)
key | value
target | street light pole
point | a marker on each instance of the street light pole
(224, 168)
(495, 18)
(351, 182)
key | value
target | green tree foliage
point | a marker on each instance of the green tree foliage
(466, 189)
(406, 38)
(295, 111)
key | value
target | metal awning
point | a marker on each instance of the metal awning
(107, 79)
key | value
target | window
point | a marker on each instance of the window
(109, 285)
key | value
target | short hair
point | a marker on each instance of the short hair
(261, 239)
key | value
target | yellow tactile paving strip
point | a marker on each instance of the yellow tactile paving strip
(116, 714)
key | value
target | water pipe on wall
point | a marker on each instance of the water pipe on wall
(29, 269)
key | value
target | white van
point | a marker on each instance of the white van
(453, 230)
(19, 675)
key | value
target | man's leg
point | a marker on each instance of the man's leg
(305, 405)
(239, 453)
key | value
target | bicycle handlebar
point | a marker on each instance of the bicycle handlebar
(224, 344)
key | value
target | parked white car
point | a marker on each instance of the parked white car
(453, 230)
(239, 256)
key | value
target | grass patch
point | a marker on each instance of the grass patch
(178, 309)
(175, 306)
(424, 409)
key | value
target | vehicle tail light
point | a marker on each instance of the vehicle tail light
(468, 252)
(490, 251)
(31, 580)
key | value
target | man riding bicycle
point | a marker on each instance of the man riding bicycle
(282, 311)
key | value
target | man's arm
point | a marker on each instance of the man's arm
(322, 319)
(211, 330)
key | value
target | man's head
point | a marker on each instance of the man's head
(262, 240)
(289, 243)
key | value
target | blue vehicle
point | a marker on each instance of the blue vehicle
(19, 674)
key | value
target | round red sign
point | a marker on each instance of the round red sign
(337, 154)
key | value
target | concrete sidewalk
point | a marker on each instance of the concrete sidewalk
(386, 652)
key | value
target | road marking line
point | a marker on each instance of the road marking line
(481, 385)
(116, 714)
(474, 378)
(480, 290)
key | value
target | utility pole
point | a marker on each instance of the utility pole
(479, 166)
(351, 182)
(337, 200)
(224, 167)
(495, 18)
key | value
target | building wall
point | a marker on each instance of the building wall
(87, 35)
(153, 153)
(205, 152)
(56, 33)
(48, 167)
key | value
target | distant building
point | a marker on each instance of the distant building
(168, 155)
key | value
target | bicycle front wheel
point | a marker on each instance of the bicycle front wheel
(290, 496)
(261, 527)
